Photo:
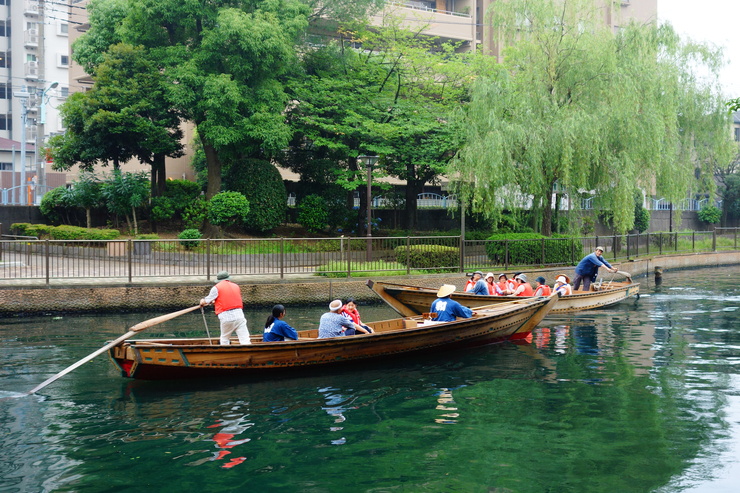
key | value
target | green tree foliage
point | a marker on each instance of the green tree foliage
(260, 182)
(85, 192)
(53, 203)
(390, 99)
(123, 193)
(125, 115)
(313, 213)
(228, 209)
(575, 104)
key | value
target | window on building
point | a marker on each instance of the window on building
(6, 166)
(63, 29)
(6, 91)
(737, 134)
(30, 57)
(4, 59)
(64, 91)
(4, 28)
(6, 123)
(63, 60)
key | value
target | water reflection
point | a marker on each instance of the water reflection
(640, 397)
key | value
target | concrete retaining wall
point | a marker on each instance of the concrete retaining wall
(16, 300)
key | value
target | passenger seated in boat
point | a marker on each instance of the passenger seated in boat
(503, 284)
(523, 288)
(542, 288)
(480, 286)
(493, 288)
(276, 329)
(334, 324)
(447, 309)
(349, 310)
(562, 285)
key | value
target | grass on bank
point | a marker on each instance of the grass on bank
(378, 268)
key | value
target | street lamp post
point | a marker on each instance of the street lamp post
(369, 162)
(23, 96)
(40, 157)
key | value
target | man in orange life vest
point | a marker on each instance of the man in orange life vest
(227, 298)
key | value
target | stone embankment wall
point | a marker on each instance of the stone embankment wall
(15, 300)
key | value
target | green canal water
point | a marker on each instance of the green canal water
(644, 396)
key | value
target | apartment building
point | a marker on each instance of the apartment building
(34, 81)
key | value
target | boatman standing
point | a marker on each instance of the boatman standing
(227, 299)
(447, 309)
(588, 268)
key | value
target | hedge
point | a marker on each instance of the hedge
(527, 248)
(427, 256)
(64, 232)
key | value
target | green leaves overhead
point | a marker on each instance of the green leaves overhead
(588, 109)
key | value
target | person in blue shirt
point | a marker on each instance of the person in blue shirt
(478, 285)
(588, 268)
(276, 329)
(447, 309)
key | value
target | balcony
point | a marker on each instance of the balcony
(441, 23)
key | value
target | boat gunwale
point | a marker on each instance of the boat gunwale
(534, 303)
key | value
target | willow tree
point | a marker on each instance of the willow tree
(577, 106)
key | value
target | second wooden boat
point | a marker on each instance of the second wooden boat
(199, 357)
(413, 300)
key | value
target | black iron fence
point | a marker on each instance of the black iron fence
(26, 258)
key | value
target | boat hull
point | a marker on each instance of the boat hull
(194, 358)
(412, 300)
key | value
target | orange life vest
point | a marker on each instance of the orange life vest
(528, 291)
(229, 297)
(543, 290)
(469, 285)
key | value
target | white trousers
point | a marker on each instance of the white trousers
(230, 326)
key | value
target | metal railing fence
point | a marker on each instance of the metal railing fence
(26, 258)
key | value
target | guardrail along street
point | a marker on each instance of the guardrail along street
(28, 258)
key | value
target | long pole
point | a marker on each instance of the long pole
(369, 214)
(24, 118)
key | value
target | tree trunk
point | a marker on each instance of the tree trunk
(213, 187)
(158, 175)
(413, 189)
(88, 218)
(136, 225)
(547, 214)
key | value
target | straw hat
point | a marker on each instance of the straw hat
(563, 278)
(335, 305)
(446, 290)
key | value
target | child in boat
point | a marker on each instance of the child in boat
(542, 288)
(349, 310)
(562, 285)
(276, 329)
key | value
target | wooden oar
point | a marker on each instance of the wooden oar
(133, 330)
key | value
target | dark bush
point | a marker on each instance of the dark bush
(527, 248)
(52, 204)
(260, 182)
(313, 213)
(427, 256)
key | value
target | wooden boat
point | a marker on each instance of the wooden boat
(151, 359)
(412, 300)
